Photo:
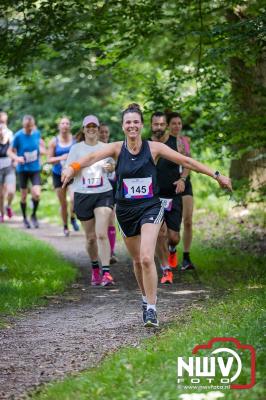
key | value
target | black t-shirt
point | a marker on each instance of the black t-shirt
(167, 172)
(3, 149)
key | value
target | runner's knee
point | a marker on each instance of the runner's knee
(91, 240)
(146, 261)
(101, 236)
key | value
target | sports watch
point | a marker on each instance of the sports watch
(216, 174)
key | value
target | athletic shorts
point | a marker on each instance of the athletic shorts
(34, 177)
(114, 184)
(7, 176)
(173, 215)
(57, 181)
(84, 204)
(188, 189)
(131, 218)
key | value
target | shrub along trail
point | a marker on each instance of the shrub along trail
(77, 329)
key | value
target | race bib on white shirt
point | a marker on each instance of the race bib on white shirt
(91, 180)
(167, 204)
(137, 188)
(31, 156)
(4, 162)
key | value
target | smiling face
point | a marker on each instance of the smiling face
(132, 125)
(91, 133)
(175, 126)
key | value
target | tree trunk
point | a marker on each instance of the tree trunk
(248, 92)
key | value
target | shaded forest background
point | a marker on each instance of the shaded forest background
(205, 59)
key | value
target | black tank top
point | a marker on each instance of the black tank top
(136, 177)
(3, 149)
(167, 172)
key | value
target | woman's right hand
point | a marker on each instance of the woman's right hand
(67, 174)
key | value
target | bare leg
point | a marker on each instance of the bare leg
(2, 190)
(149, 234)
(187, 220)
(61, 194)
(162, 246)
(102, 215)
(91, 241)
(133, 246)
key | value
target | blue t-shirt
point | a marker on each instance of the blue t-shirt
(27, 146)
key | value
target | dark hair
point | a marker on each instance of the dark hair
(171, 115)
(80, 136)
(158, 114)
(131, 108)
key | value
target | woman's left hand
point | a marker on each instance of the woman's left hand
(225, 182)
(108, 167)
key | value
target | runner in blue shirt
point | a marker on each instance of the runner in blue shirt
(25, 150)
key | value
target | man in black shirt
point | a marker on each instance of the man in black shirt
(171, 185)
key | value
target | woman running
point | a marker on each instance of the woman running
(93, 199)
(183, 143)
(104, 136)
(25, 150)
(7, 174)
(139, 210)
(58, 150)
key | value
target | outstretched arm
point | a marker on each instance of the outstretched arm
(161, 150)
(110, 150)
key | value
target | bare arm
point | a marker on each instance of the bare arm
(51, 159)
(161, 150)
(110, 150)
(42, 147)
(12, 153)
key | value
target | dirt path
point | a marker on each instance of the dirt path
(76, 330)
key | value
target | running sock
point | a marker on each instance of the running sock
(112, 237)
(105, 269)
(186, 256)
(165, 268)
(23, 207)
(35, 206)
(95, 264)
(151, 306)
(144, 299)
(172, 249)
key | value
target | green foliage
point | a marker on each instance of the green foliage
(205, 59)
(29, 271)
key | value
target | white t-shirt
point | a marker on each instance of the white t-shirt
(91, 179)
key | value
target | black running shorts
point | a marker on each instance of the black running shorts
(24, 177)
(173, 217)
(188, 189)
(84, 204)
(57, 181)
(131, 218)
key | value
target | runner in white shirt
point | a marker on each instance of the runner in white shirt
(93, 199)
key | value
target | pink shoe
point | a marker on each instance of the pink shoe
(107, 279)
(96, 277)
(9, 212)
